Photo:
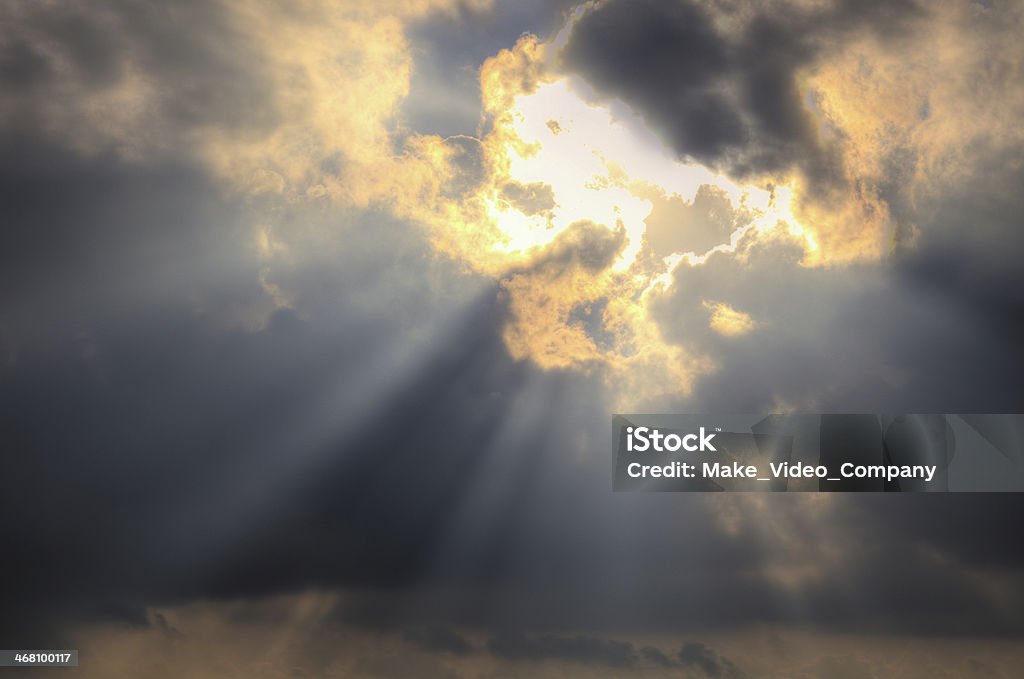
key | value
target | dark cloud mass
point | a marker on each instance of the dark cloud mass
(583, 649)
(705, 660)
(205, 69)
(634, 49)
(719, 80)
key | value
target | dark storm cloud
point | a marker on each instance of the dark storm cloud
(136, 429)
(656, 656)
(719, 82)
(87, 238)
(710, 664)
(205, 71)
(665, 56)
(967, 251)
(580, 648)
(697, 658)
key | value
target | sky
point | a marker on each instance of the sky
(313, 317)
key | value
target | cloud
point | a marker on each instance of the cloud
(656, 656)
(722, 87)
(929, 330)
(728, 321)
(843, 667)
(441, 639)
(222, 460)
(287, 101)
(263, 101)
(580, 648)
(449, 47)
(676, 225)
(860, 105)
(710, 664)
(288, 636)
(135, 76)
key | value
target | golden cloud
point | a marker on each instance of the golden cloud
(554, 196)
(728, 321)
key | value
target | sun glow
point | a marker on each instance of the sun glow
(567, 203)
(560, 215)
(554, 198)
(597, 167)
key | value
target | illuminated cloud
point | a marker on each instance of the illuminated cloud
(561, 176)
(728, 321)
(310, 101)
(638, 139)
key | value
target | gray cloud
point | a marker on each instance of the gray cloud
(203, 69)
(718, 80)
(676, 225)
(578, 648)
(656, 656)
(710, 664)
